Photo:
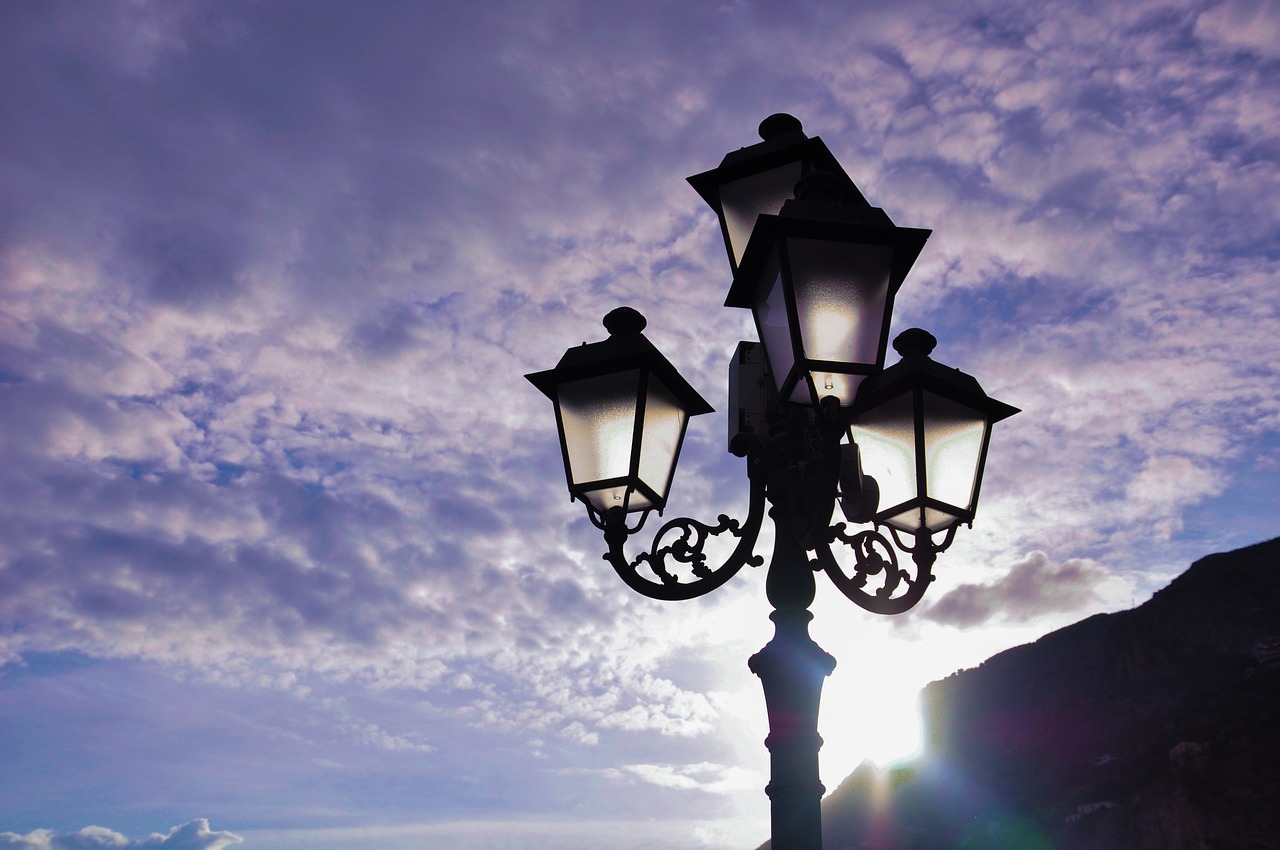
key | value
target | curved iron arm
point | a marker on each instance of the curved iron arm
(690, 538)
(868, 547)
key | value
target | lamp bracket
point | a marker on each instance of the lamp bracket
(608, 520)
(924, 545)
(683, 541)
(876, 558)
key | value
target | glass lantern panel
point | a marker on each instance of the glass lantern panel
(775, 329)
(953, 449)
(841, 291)
(599, 419)
(908, 520)
(743, 200)
(664, 422)
(936, 520)
(886, 440)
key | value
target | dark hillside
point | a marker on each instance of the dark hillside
(1156, 728)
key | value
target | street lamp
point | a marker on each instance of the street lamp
(820, 420)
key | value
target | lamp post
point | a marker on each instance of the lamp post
(819, 419)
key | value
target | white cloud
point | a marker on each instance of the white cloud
(704, 776)
(194, 835)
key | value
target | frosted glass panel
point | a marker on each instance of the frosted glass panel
(908, 520)
(599, 416)
(953, 445)
(886, 440)
(663, 427)
(936, 520)
(841, 289)
(771, 321)
(744, 200)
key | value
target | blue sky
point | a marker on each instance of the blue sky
(285, 556)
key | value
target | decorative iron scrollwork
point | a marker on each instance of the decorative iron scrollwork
(683, 541)
(687, 547)
(875, 558)
(798, 470)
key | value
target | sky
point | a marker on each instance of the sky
(286, 558)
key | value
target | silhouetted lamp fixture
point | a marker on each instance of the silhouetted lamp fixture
(759, 179)
(622, 409)
(820, 278)
(925, 428)
(900, 448)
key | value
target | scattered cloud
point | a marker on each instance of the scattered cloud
(712, 778)
(194, 835)
(270, 276)
(703, 776)
(1031, 589)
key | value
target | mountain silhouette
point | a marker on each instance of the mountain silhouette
(1156, 728)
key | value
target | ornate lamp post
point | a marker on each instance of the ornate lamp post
(820, 420)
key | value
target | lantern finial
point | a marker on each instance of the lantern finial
(915, 341)
(779, 124)
(624, 320)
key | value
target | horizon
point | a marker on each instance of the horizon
(287, 559)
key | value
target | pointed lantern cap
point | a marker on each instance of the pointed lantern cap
(760, 178)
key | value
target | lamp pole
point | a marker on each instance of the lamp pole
(820, 420)
(792, 668)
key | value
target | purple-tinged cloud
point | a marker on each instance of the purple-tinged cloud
(1033, 588)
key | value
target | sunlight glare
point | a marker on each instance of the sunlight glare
(872, 713)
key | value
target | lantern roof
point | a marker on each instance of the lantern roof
(626, 348)
(825, 220)
(783, 141)
(918, 369)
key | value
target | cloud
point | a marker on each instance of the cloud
(1242, 24)
(1031, 589)
(702, 776)
(271, 275)
(194, 835)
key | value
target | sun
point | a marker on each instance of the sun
(874, 716)
(870, 702)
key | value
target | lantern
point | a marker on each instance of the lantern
(621, 409)
(820, 278)
(922, 430)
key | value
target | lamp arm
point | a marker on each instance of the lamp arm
(875, 556)
(685, 541)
